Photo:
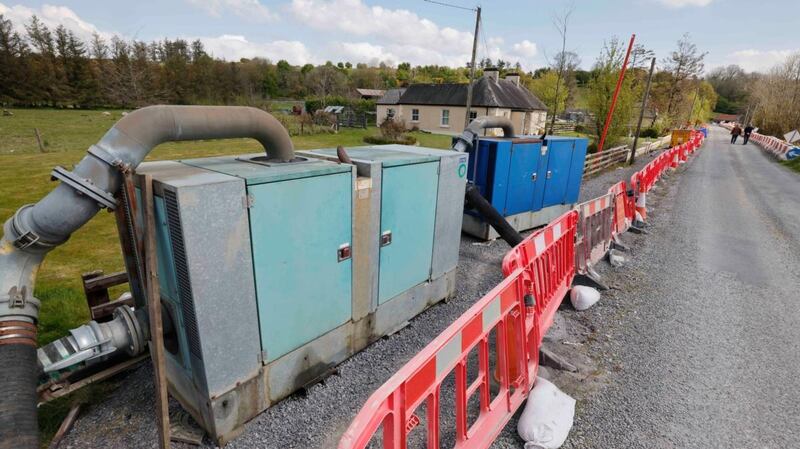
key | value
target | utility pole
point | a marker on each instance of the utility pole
(694, 101)
(477, 9)
(641, 113)
(472, 65)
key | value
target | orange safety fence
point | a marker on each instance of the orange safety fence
(548, 259)
(391, 414)
(510, 319)
(504, 329)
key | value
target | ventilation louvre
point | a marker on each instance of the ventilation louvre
(182, 272)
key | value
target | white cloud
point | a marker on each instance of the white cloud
(249, 9)
(397, 35)
(683, 3)
(52, 16)
(758, 60)
(235, 47)
(388, 25)
(525, 49)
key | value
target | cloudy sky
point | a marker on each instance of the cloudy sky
(754, 35)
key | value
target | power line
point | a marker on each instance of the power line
(451, 5)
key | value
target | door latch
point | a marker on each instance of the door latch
(534, 176)
(549, 174)
(386, 238)
(344, 252)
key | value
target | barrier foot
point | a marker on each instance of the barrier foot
(616, 243)
(592, 278)
(550, 359)
(637, 229)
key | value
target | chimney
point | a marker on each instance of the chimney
(513, 77)
(491, 73)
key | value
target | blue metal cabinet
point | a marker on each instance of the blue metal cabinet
(506, 173)
(522, 177)
(303, 289)
(565, 158)
(408, 215)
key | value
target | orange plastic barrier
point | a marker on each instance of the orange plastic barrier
(548, 260)
(594, 232)
(391, 412)
(511, 319)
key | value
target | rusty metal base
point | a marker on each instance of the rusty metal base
(524, 221)
(223, 416)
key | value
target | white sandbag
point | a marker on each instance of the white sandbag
(547, 418)
(583, 297)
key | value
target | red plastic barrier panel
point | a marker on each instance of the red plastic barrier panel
(623, 208)
(410, 405)
(548, 260)
(594, 231)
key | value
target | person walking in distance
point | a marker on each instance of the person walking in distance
(747, 131)
(735, 132)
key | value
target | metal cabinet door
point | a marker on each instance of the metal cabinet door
(408, 215)
(576, 171)
(541, 178)
(303, 289)
(522, 177)
(557, 173)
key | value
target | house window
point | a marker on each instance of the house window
(415, 115)
(473, 115)
(445, 117)
(390, 113)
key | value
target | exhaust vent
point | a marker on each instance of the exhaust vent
(182, 272)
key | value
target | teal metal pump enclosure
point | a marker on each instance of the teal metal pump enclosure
(273, 273)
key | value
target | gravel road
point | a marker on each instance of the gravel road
(317, 419)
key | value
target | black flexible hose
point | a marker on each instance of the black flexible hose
(476, 201)
(18, 425)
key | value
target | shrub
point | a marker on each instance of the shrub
(651, 132)
(393, 129)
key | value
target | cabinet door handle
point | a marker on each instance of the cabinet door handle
(534, 176)
(344, 252)
(386, 238)
(549, 174)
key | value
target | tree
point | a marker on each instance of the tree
(684, 64)
(545, 88)
(561, 23)
(777, 98)
(13, 70)
(601, 91)
(733, 85)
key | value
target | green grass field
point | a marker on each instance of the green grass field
(25, 178)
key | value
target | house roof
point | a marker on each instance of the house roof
(371, 92)
(392, 96)
(488, 92)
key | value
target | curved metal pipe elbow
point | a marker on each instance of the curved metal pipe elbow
(36, 229)
(465, 140)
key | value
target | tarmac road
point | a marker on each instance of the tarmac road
(709, 348)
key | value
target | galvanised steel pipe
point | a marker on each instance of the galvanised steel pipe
(474, 129)
(36, 229)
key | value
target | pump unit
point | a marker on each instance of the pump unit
(530, 181)
(273, 273)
